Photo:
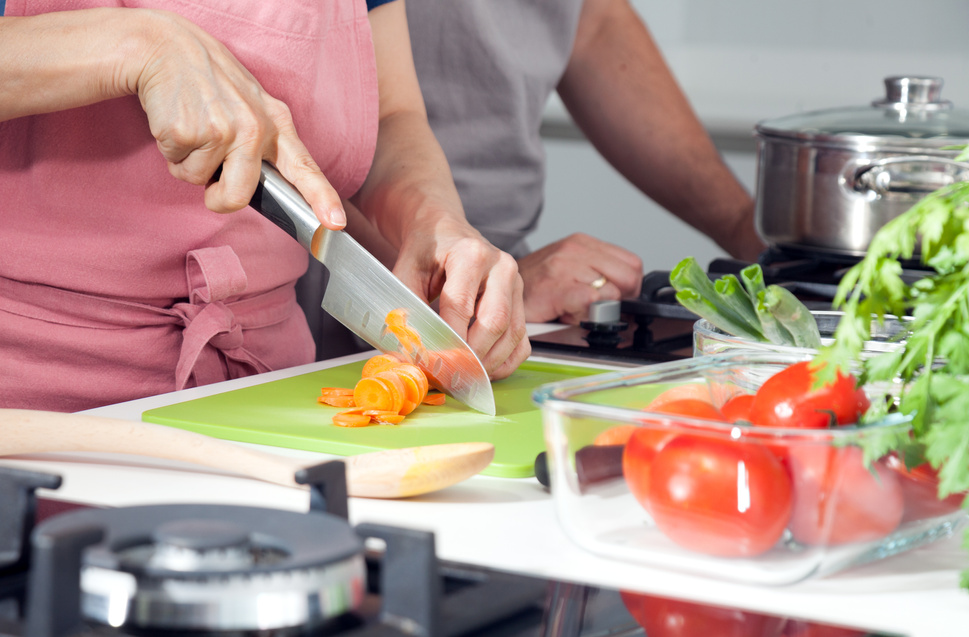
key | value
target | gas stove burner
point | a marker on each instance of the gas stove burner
(215, 567)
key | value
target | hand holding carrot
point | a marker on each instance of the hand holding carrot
(480, 291)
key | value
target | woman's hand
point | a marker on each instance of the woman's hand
(205, 110)
(479, 288)
(410, 198)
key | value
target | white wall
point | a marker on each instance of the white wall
(741, 61)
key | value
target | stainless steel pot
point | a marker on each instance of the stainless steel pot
(828, 180)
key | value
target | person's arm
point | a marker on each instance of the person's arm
(410, 197)
(204, 109)
(623, 96)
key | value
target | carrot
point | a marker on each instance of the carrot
(397, 389)
(343, 419)
(384, 417)
(379, 392)
(434, 399)
(415, 386)
(337, 401)
(389, 387)
(410, 341)
(396, 317)
(379, 363)
(336, 391)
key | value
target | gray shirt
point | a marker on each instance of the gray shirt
(487, 68)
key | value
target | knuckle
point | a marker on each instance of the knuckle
(279, 112)
(303, 163)
(496, 323)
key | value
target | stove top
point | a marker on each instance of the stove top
(188, 570)
(194, 570)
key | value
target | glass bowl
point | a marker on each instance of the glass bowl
(733, 501)
(708, 339)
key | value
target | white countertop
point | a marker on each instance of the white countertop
(509, 524)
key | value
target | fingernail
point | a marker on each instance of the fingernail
(337, 217)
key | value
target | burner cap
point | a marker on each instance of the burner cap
(216, 567)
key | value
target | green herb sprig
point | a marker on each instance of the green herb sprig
(932, 366)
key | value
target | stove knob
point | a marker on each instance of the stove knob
(604, 312)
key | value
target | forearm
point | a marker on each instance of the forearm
(55, 61)
(646, 128)
(409, 185)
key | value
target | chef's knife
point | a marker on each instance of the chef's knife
(361, 292)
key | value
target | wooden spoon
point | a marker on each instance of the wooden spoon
(394, 473)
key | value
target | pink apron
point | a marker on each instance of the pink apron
(115, 281)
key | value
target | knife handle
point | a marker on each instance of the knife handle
(277, 200)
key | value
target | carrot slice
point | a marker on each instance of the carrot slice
(379, 363)
(355, 411)
(410, 341)
(397, 389)
(385, 417)
(408, 407)
(336, 391)
(396, 317)
(415, 382)
(377, 392)
(337, 401)
(434, 399)
(351, 420)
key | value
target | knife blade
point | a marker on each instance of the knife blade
(361, 292)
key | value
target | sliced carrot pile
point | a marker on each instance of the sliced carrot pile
(337, 401)
(388, 389)
(379, 363)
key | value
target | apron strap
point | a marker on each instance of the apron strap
(212, 342)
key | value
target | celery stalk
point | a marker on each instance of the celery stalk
(733, 295)
(697, 293)
(792, 315)
(753, 279)
(715, 313)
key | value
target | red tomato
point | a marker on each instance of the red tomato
(699, 391)
(692, 407)
(618, 435)
(787, 400)
(737, 408)
(637, 458)
(646, 441)
(838, 500)
(719, 497)
(920, 491)
(664, 617)
(798, 628)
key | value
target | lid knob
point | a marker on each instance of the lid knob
(913, 92)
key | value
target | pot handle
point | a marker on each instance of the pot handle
(913, 175)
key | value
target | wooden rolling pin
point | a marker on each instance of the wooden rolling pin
(395, 473)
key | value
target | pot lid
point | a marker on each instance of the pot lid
(912, 113)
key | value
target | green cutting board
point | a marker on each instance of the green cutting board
(285, 413)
